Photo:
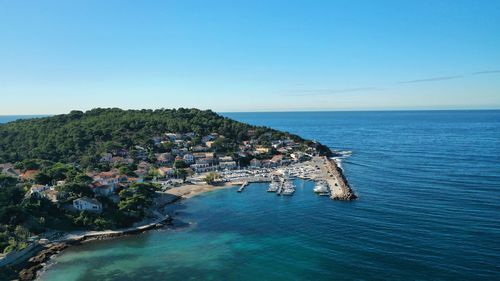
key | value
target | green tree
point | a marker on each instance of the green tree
(180, 164)
(212, 177)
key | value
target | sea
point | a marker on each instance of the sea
(429, 209)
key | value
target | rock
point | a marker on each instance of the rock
(30, 273)
(35, 263)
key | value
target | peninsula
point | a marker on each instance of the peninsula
(107, 172)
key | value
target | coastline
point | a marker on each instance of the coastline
(30, 269)
(40, 260)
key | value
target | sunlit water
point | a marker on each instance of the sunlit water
(429, 208)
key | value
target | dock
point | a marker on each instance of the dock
(242, 187)
(280, 189)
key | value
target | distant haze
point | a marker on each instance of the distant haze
(249, 55)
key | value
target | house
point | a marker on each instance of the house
(87, 204)
(180, 143)
(207, 160)
(141, 152)
(36, 190)
(277, 144)
(165, 158)
(298, 156)
(198, 155)
(225, 159)
(255, 163)
(199, 148)
(117, 160)
(268, 164)
(173, 136)
(201, 168)
(210, 137)
(166, 172)
(228, 165)
(188, 158)
(111, 178)
(277, 159)
(261, 150)
(103, 190)
(283, 150)
(209, 143)
(227, 162)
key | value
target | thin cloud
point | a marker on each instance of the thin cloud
(325, 92)
(485, 72)
(432, 79)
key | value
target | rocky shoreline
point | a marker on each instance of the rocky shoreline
(28, 270)
(36, 263)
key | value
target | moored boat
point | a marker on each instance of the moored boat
(288, 188)
(321, 188)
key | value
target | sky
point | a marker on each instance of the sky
(229, 56)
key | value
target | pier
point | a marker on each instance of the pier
(242, 187)
(280, 188)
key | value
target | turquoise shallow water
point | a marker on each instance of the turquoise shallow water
(429, 209)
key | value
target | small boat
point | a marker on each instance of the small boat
(321, 187)
(273, 186)
(288, 188)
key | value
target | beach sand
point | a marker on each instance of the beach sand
(191, 190)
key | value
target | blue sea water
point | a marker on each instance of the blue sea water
(9, 118)
(428, 209)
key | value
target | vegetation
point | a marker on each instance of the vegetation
(212, 177)
(59, 150)
(81, 137)
(22, 217)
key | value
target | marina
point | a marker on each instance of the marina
(326, 173)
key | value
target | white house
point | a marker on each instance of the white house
(225, 159)
(38, 189)
(87, 204)
(201, 168)
(228, 165)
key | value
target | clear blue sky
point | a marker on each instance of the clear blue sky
(252, 55)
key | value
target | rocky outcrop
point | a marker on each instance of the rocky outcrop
(37, 262)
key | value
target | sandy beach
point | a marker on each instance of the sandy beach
(190, 190)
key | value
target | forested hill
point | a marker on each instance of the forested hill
(81, 137)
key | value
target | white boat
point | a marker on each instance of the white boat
(273, 186)
(288, 188)
(321, 187)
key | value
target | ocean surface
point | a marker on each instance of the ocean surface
(428, 209)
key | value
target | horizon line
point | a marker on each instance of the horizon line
(280, 111)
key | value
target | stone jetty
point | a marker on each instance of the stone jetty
(334, 176)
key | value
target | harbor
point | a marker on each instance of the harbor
(329, 178)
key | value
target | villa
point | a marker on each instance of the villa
(87, 204)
